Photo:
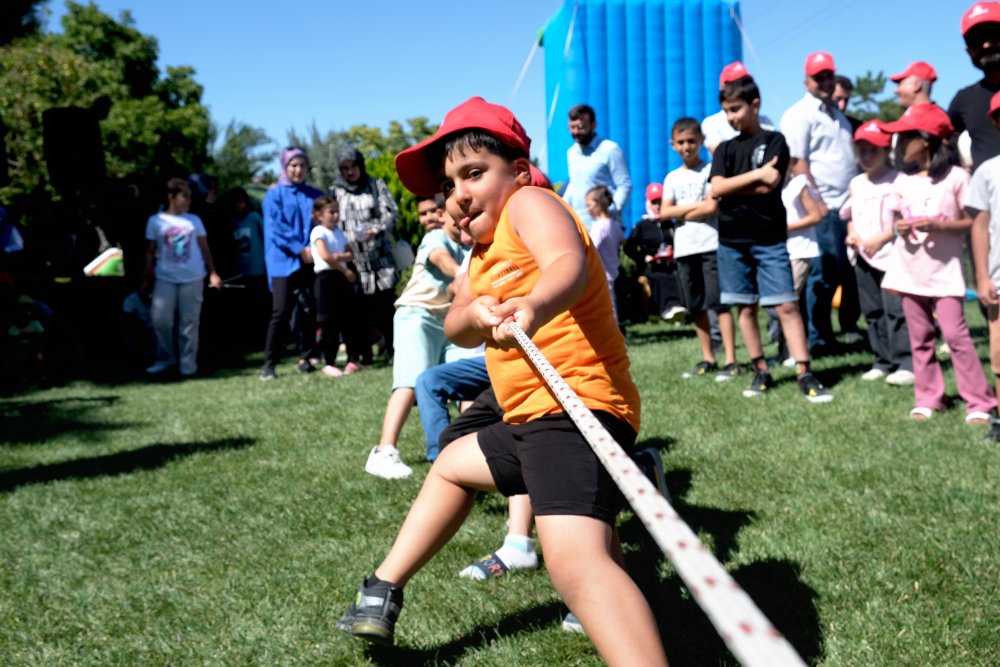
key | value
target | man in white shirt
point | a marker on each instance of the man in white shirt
(593, 161)
(819, 139)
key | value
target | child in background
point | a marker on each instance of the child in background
(333, 284)
(804, 209)
(177, 256)
(746, 177)
(533, 262)
(418, 329)
(925, 267)
(606, 234)
(686, 201)
(650, 246)
(983, 200)
(870, 235)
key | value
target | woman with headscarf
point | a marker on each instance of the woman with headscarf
(368, 216)
(287, 222)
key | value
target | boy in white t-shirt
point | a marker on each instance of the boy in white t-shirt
(686, 201)
(332, 287)
(418, 331)
(804, 209)
(983, 200)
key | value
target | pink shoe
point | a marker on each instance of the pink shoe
(332, 371)
(351, 367)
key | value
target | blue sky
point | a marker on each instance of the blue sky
(334, 63)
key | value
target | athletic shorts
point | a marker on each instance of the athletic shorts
(548, 459)
(699, 278)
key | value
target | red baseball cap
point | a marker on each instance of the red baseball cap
(654, 191)
(981, 12)
(927, 117)
(817, 62)
(539, 179)
(873, 133)
(919, 69)
(417, 174)
(994, 104)
(732, 72)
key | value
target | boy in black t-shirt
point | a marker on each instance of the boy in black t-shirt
(754, 269)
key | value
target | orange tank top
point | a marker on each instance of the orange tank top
(583, 343)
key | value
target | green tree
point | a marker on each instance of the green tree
(18, 18)
(867, 101)
(241, 155)
(155, 126)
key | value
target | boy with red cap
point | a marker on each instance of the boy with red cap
(968, 109)
(819, 142)
(716, 128)
(982, 200)
(913, 84)
(688, 203)
(869, 215)
(533, 264)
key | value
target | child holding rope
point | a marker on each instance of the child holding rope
(533, 264)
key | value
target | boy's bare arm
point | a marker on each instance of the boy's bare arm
(985, 287)
(703, 210)
(676, 211)
(551, 236)
(213, 278)
(815, 211)
(443, 260)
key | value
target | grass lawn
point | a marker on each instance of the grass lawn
(224, 521)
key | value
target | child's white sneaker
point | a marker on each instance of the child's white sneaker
(900, 378)
(387, 464)
(873, 374)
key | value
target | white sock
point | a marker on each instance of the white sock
(517, 553)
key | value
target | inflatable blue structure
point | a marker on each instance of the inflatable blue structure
(641, 64)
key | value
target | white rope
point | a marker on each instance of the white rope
(744, 628)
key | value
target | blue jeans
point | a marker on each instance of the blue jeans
(755, 273)
(825, 275)
(460, 380)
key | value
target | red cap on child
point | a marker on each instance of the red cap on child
(981, 12)
(873, 133)
(821, 61)
(919, 69)
(927, 117)
(994, 104)
(654, 191)
(734, 71)
(416, 172)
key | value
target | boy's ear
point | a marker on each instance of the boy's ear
(522, 171)
(756, 104)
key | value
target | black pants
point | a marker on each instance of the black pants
(375, 311)
(334, 317)
(289, 293)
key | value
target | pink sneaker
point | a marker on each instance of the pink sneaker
(351, 367)
(332, 371)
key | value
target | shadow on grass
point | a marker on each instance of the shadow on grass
(121, 463)
(530, 619)
(661, 334)
(28, 422)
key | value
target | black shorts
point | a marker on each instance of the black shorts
(549, 459)
(699, 279)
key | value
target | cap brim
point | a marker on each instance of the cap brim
(415, 170)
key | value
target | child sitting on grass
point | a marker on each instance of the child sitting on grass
(533, 264)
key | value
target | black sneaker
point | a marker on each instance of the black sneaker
(702, 369)
(373, 613)
(813, 390)
(728, 372)
(762, 381)
(651, 464)
(267, 374)
(993, 435)
(305, 366)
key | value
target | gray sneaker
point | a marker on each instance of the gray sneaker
(572, 624)
(373, 612)
(651, 464)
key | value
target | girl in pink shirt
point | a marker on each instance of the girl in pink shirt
(925, 267)
(870, 235)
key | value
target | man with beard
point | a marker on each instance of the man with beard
(968, 109)
(592, 161)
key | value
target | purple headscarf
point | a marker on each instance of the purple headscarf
(286, 156)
